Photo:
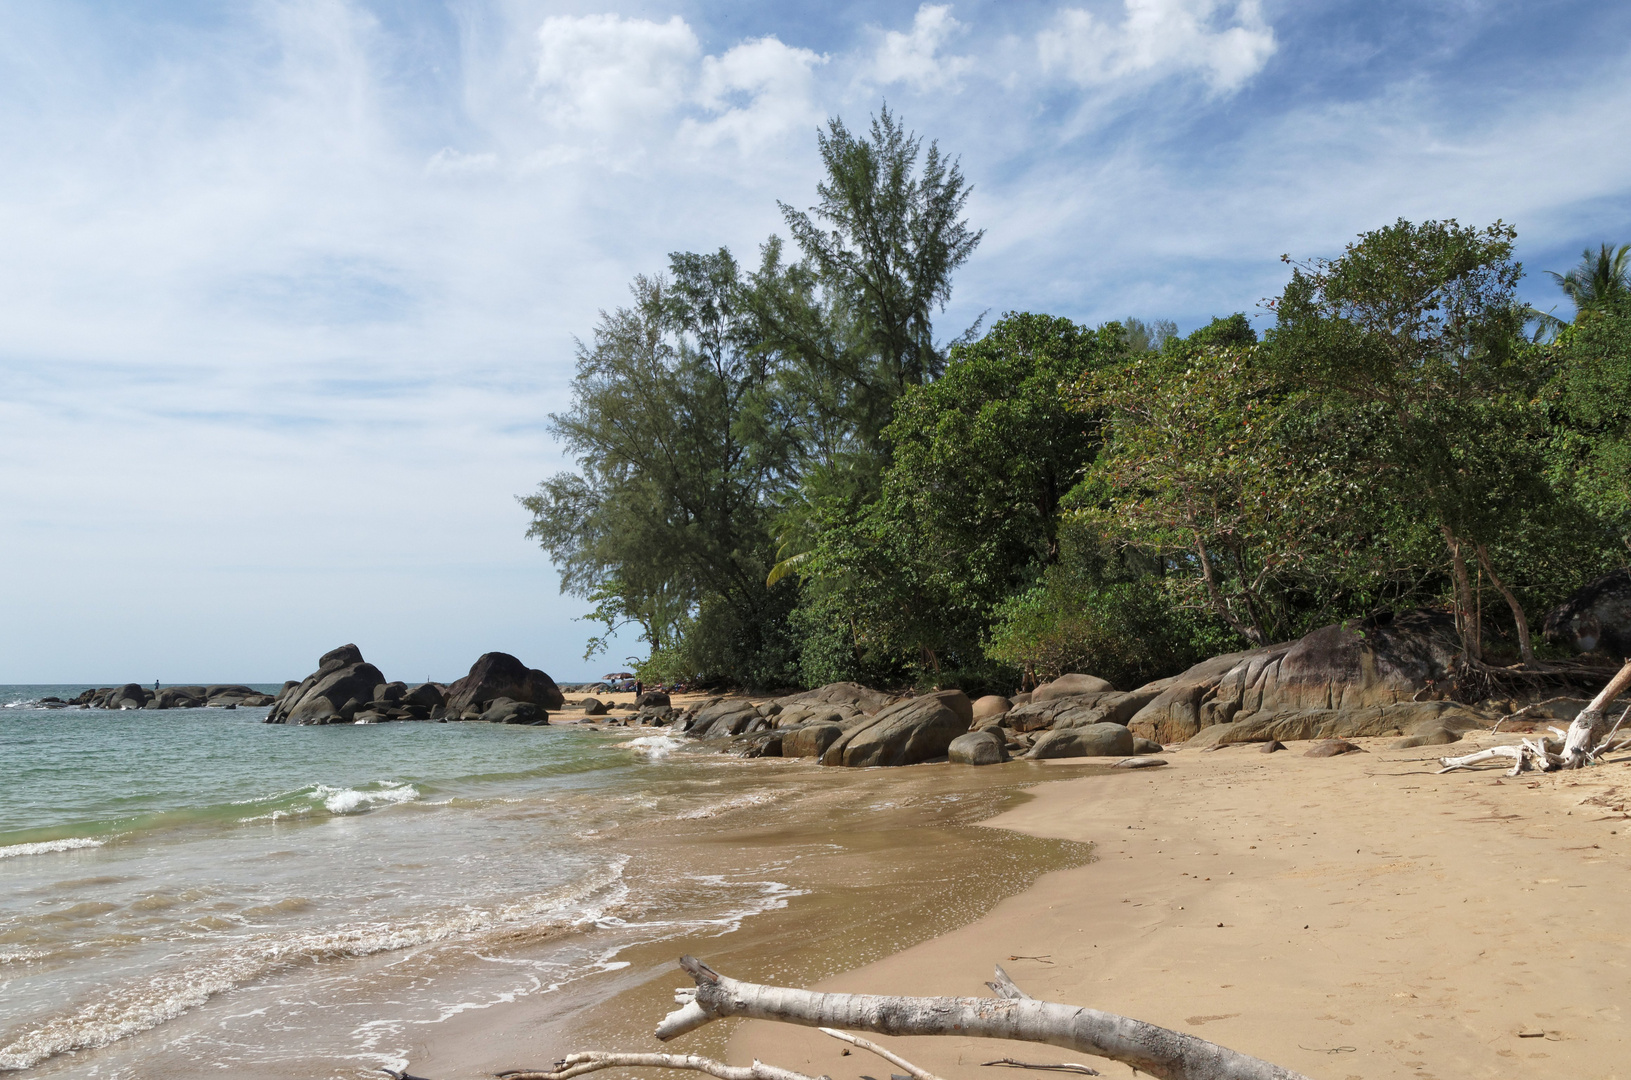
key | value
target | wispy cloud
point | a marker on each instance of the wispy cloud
(289, 291)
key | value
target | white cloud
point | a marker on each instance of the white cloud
(758, 90)
(450, 162)
(1157, 38)
(607, 72)
(915, 58)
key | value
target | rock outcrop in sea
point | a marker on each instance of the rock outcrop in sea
(346, 689)
(136, 696)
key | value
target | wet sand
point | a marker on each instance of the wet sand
(880, 859)
(1355, 917)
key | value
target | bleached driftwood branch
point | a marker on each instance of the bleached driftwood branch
(1589, 737)
(1158, 1051)
(579, 1064)
(872, 1047)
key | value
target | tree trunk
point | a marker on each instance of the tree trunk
(1526, 647)
(1213, 593)
(1472, 642)
(1591, 726)
(1158, 1051)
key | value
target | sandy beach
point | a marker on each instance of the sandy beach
(1356, 917)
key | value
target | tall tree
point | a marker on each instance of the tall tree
(1600, 280)
(1419, 327)
(680, 442)
(879, 249)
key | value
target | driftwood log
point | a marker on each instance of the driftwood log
(1158, 1051)
(1589, 736)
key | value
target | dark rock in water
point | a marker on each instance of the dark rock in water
(1071, 686)
(906, 733)
(129, 696)
(505, 711)
(1333, 748)
(178, 697)
(1596, 616)
(1272, 746)
(651, 699)
(497, 675)
(334, 693)
(977, 748)
(811, 740)
(594, 707)
(1094, 740)
(426, 696)
(720, 718)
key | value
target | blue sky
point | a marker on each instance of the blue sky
(288, 290)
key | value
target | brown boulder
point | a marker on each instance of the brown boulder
(1070, 686)
(906, 733)
(1596, 616)
(1332, 748)
(810, 741)
(497, 675)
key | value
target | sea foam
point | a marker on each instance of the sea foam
(72, 843)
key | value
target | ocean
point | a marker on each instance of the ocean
(186, 891)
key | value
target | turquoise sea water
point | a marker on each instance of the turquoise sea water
(183, 890)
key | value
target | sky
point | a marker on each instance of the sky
(288, 290)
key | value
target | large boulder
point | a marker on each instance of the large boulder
(223, 694)
(497, 675)
(1596, 617)
(341, 686)
(593, 706)
(989, 710)
(1094, 740)
(128, 696)
(505, 711)
(977, 748)
(720, 718)
(179, 697)
(841, 702)
(811, 740)
(652, 699)
(1079, 710)
(1071, 686)
(1381, 661)
(1422, 723)
(1174, 714)
(906, 733)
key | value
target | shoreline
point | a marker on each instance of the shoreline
(874, 860)
(1378, 920)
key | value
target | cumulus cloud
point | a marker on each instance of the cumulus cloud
(607, 71)
(914, 57)
(1224, 45)
(756, 91)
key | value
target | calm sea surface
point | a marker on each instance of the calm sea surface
(153, 862)
(184, 892)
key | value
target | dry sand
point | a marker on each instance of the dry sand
(1350, 917)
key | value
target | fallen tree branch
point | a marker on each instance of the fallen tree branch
(579, 1064)
(1064, 1066)
(872, 1047)
(1159, 1051)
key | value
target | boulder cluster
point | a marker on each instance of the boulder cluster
(346, 689)
(136, 696)
(1391, 675)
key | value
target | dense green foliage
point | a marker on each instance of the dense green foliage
(785, 478)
